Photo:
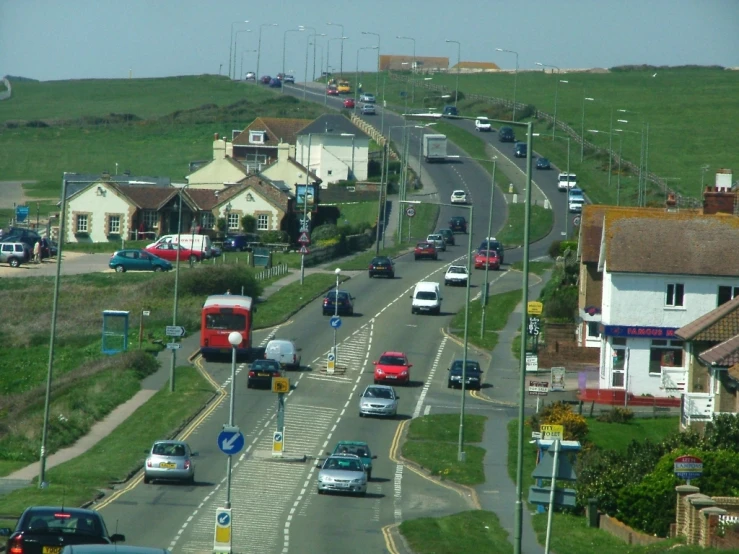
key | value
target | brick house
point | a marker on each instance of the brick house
(256, 146)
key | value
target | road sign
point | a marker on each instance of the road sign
(173, 346)
(230, 440)
(278, 443)
(576, 221)
(304, 238)
(175, 331)
(21, 213)
(222, 538)
(304, 250)
(335, 321)
(688, 467)
(410, 211)
(534, 308)
(532, 362)
(146, 313)
(552, 432)
(534, 326)
(535, 434)
(558, 378)
(538, 388)
(280, 384)
(330, 362)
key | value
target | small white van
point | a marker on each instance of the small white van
(189, 241)
(283, 351)
(426, 298)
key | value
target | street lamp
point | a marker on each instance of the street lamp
(515, 79)
(459, 67)
(307, 45)
(176, 286)
(242, 60)
(337, 271)
(341, 61)
(610, 144)
(235, 339)
(356, 87)
(231, 46)
(236, 44)
(377, 84)
(259, 44)
(582, 127)
(284, 42)
(620, 157)
(413, 67)
(556, 91)
(487, 266)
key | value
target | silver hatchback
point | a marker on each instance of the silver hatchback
(170, 461)
(379, 400)
(342, 473)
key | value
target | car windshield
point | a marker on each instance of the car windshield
(168, 449)
(471, 365)
(434, 237)
(361, 450)
(423, 245)
(264, 365)
(488, 253)
(344, 464)
(392, 360)
(457, 269)
(381, 261)
(342, 295)
(425, 295)
(41, 521)
(376, 392)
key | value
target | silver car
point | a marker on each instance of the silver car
(438, 241)
(170, 460)
(342, 473)
(379, 400)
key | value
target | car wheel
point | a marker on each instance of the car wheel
(377, 381)
(193, 258)
(449, 384)
(157, 269)
(370, 276)
(191, 480)
(120, 268)
(147, 480)
(436, 257)
(14, 262)
(391, 276)
(320, 491)
(415, 258)
(248, 385)
(369, 475)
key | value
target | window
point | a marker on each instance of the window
(665, 353)
(727, 293)
(675, 295)
(233, 221)
(150, 219)
(262, 222)
(256, 137)
(209, 221)
(114, 225)
(81, 224)
(593, 329)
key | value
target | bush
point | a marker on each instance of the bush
(616, 415)
(555, 249)
(211, 279)
(273, 237)
(563, 304)
(249, 224)
(323, 232)
(559, 413)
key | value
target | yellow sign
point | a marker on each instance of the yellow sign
(552, 432)
(278, 443)
(280, 384)
(534, 308)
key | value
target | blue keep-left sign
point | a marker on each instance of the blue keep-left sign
(224, 518)
(231, 441)
(21, 213)
(335, 322)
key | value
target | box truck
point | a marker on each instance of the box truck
(434, 148)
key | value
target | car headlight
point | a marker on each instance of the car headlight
(378, 370)
(325, 479)
(404, 373)
(358, 481)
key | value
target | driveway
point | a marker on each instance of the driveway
(73, 263)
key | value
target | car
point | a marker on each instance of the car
(349, 102)
(367, 97)
(487, 259)
(438, 241)
(394, 367)
(543, 163)
(275, 83)
(473, 375)
(28, 237)
(566, 181)
(448, 235)
(382, 265)
(168, 251)
(284, 352)
(505, 134)
(425, 249)
(261, 373)
(575, 199)
(132, 259)
(289, 79)
(450, 111)
(265, 79)
(169, 460)
(458, 223)
(112, 549)
(241, 243)
(331, 90)
(520, 150)
(14, 253)
(280, 76)
(456, 275)
(426, 298)
(48, 529)
(368, 109)
(357, 448)
(344, 87)
(250, 76)
(459, 197)
(491, 243)
(482, 123)
(378, 400)
(342, 473)
(344, 306)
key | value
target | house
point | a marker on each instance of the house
(219, 173)
(404, 62)
(256, 146)
(334, 149)
(712, 353)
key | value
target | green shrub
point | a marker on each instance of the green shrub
(324, 232)
(327, 242)
(249, 224)
(273, 237)
(563, 304)
(616, 415)
(211, 279)
(554, 249)
(559, 413)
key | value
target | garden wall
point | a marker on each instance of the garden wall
(625, 533)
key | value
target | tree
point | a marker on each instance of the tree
(249, 224)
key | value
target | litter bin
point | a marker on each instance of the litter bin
(262, 257)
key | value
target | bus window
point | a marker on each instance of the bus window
(225, 322)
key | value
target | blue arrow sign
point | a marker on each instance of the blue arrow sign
(224, 519)
(21, 213)
(335, 322)
(230, 442)
(277, 436)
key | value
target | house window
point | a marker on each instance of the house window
(233, 221)
(675, 295)
(150, 219)
(256, 137)
(727, 293)
(665, 353)
(114, 225)
(262, 222)
(209, 221)
(593, 329)
(81, 224)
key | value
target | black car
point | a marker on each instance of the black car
(520, 150)
(345, 303)
(275, 83)
(473, 375)
(492, 244)
(382, 265)
(448, 235)
(47, 529)
(240, 243)
(505, 134)
(262, 372)
(543, 163)
(450, 111)
(458, 224)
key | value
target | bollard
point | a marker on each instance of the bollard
(593, 516)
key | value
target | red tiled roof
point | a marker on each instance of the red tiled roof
(725, 354)
(278, 130)
(719, 324)
(591, 232)
(146, 197)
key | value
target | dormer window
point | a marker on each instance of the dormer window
(257, 137)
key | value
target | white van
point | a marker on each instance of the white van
(283, 351)
(426, 298)
(189, 241)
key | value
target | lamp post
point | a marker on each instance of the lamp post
(231, 46)
(176, 287)
(235, 339)
(611, 133)
(582, 127)
(515, 78)
(413, 67)
(356, 87)
(341, 60)
(620, 157)
(307, 45)
(284, 44)
(259, 45)
(487, 266)
(556, 91)
(566, 231)
(242, 60)
(337, 271)
(610, 144)
(377, 77)
(459, 61)
(236, 45)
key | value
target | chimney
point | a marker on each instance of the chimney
(717, 200)
(723, 179)
(229, 149)
(292, 151)
(283, 152)
(219, 148)
(671, 203)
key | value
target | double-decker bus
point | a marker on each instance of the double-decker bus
(223, 314)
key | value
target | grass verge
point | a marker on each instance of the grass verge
(617, 436)
(432, 444)
(472, 531)
(537, 268)
(499, 309)
(542, 221)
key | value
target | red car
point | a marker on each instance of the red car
(349, 103)
(487, 258)
(425, 250)
(332, 90)
(393, 367)
(168, 251)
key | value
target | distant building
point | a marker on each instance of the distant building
(392, 62)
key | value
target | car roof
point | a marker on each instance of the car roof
(458, 217)
(171, 442)
(352, 443)
(458, 267)
(280, 341)
(391, 353)
(387, 387)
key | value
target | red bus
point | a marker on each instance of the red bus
(223, 314)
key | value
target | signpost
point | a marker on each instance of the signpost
(21, 213)
(304, 250)
(331, 362)
(335, 321)
(538, 389)
(222, 541)
(278, 440)
(174, 331)
(281, 386)
(552, 432)
(410, 211)
(576, 221)
(688, 467)
(173, 346)
(532, 362)
(304, 238)
(230, 440)
(558, 378)
(534, 308)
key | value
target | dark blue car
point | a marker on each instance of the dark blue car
(275, 83)
(240, 243)
(543, 163)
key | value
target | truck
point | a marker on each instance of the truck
(434, 148)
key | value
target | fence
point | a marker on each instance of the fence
(274, 271)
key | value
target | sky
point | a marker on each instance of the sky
(83, 39)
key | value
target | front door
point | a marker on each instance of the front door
(618, 372)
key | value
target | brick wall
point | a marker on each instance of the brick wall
(561, 349)
(707, 521)
(625, 533)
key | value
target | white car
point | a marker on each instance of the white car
(483, 124)
(566, 181)
(367, 98)
(438, 241)
(456, 275)
(250, 76)
(459, 197)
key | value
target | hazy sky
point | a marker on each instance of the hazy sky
(69, 39)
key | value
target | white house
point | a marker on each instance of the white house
(219, 173)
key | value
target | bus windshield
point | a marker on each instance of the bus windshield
(225, 322)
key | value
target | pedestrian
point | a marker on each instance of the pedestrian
(228, 291)
(37, 252)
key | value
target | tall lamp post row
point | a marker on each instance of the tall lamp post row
(259, 44)
(341, 61)
(377, 80)
(515, 78)
(231, 54)
(356, 86)
(413, 67)
(459, 68)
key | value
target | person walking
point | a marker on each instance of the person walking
(37, 252)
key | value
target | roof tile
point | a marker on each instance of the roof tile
(279, 129)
